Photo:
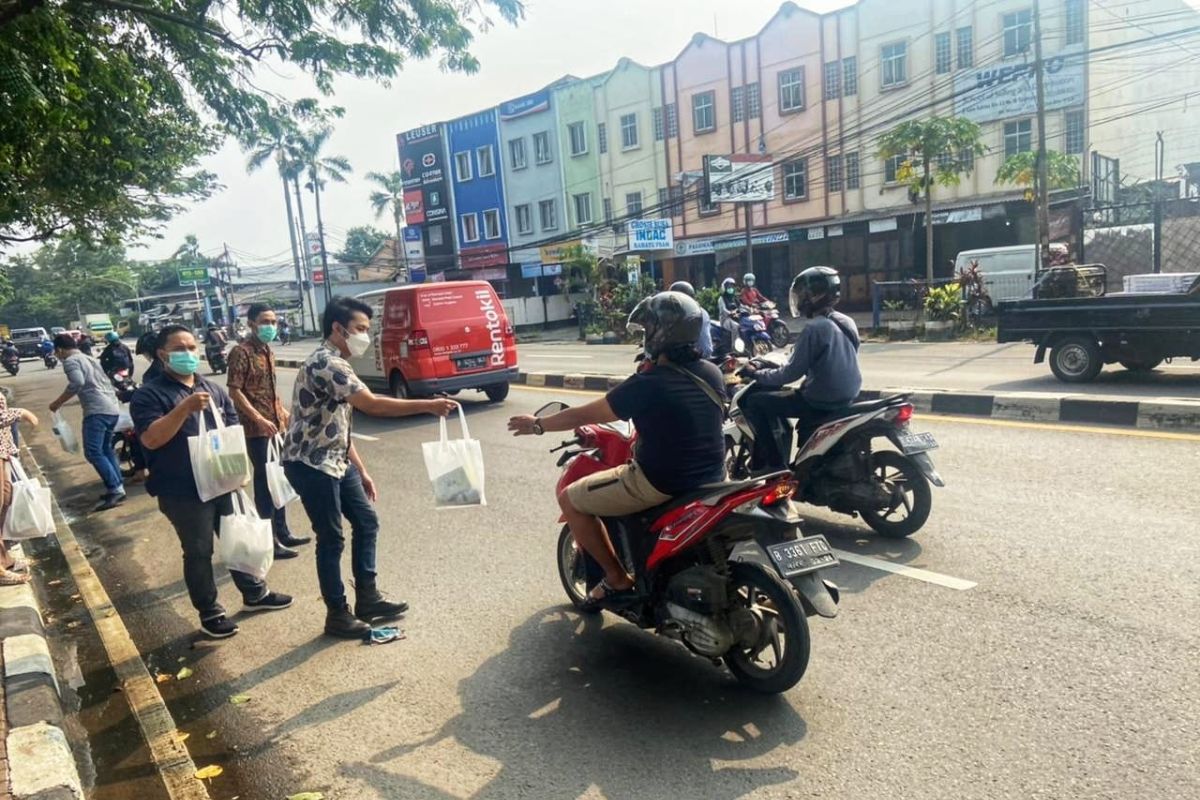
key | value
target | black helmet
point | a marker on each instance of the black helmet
(666, 320)
(814, 289)
(684, 287)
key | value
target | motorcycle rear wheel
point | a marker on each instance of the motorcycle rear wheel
(780, 333)
(899, 474)
(783, 631)
(571, 571)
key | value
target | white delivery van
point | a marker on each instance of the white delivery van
(1008, 272)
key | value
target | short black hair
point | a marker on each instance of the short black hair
(340, 310)
(167, 332)
(255, 309)
(65, 341)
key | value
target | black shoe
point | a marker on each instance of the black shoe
(370, 604)
(218, 627)
(342, 624)
(284, 552)
(293, 541)
(271, 601)
(110, 501)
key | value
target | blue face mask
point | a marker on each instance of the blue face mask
(266, 333)
(183, 362)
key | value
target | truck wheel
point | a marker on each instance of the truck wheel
(496, 392)
(398, 387)
(1076, 359)
(1140, 366)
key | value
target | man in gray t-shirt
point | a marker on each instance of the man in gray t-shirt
(87, 381)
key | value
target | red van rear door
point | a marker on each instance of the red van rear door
(462, 319)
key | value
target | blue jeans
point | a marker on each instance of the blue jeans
(326, 500)
(98, 450)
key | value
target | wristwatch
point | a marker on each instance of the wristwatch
(537, 427)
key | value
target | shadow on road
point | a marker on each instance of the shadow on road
(1159, 383)
(856, 537)
(570, 705)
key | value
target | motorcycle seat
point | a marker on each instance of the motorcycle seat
(868, 406)
(714, 490)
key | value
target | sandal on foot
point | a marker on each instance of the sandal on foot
(609, 596)
(8, 578)
(19, 565)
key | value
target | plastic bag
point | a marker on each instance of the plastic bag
(220, 461)
(246, 543)
(282, 492)
(65, 433)
(31, 514)
(455, 467)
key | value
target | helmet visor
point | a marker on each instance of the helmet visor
(796, 300)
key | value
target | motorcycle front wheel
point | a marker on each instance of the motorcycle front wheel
(761, 347)
(780, 334)
(572, 572)
(911, 497)
(777, 657)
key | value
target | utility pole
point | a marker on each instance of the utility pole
(1160, 153)
(749, 209)
(1043, 180)
(226, 263)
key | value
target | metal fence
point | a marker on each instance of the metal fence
(1139, 238)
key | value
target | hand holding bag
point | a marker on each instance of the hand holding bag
(220, 460)
(31, 513)
(455, 467)
(246, 543)
(282, 492)
(65, 433)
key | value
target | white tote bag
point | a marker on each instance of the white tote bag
(282, 492)
(455, 467)
(65, 433)
(246, 543)
(31, 514)
(220, 461)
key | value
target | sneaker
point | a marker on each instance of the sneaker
(271, 601)
(342, 624)
(282, 552)
(218, 627)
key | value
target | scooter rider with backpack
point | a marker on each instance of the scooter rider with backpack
(825, 356)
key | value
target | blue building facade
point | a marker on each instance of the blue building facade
(476, 178)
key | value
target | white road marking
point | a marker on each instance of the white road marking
(364, 437)
(936, 578)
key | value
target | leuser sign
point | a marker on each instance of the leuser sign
(1003, 92)
(424, 175)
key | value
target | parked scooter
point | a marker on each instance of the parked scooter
(836, 467)
(724, 570)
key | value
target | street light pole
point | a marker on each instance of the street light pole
(1043, 180)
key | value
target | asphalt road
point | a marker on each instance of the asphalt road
(1068, 671)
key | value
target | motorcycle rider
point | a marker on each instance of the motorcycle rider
(214, 341)
(704, 343)
(825, 355)
(9, 352)
(45, 347)
(728, 306)
(751, 296)
(116, 355)
(675, 403)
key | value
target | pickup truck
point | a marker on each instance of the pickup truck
(1082, 334)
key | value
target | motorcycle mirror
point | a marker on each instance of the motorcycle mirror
(739, 346)
(550, 408)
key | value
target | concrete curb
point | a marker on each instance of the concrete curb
(1148, 413)
(41, 765)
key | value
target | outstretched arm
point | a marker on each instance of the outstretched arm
(593, 413)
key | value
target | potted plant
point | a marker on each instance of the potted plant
(943, 310)
(899, 318)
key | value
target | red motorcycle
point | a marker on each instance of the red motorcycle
(723, 569)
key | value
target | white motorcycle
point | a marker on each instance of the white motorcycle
(837, 467)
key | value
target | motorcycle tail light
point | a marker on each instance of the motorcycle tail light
(904, 414)
(779, 493)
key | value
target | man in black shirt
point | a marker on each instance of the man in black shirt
(675, 404)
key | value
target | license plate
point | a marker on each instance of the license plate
(470, 362)
(917, 442)
(801, 556)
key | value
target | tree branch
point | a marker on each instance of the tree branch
(14, 8)
(195, 24)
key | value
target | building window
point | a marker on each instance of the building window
(737, 104)
(1018, 32)
(672, 115)
(524, 217)
(577, 134)
(966, 159)
(462, 165)
(516, 153)
(833, 170)
(1018, 137)
(541, 148)
(704, 112)
(753, 101)
(470, 227)
(795, 179)
(849, 76)
(607, 211)
(548, 212)
(491, 223)
(629, 132)
(944, 161)
(1073, 22)
(487, 167)
(602, 137)
(941, 53)
(705, 205)
(583, 208)
(893, 59)
(965, 45)
(633, 204)
(891, 168)
(791, 90)
(657, 121)
(833, 80)
(1073, 123)
(852, 175)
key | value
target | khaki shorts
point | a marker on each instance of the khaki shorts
(615, 492)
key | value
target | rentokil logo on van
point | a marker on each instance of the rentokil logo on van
(495, 326)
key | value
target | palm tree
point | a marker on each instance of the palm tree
(390, 197)
(319, 169)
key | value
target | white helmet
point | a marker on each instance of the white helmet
(748, 279)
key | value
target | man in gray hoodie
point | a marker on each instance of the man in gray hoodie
(87, 381)
(825, 356)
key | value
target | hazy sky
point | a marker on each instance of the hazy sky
(581, 37)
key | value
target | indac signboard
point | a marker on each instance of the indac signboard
(650, 234)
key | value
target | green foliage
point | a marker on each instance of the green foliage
(894, 305)
(389, 197)
(583, 271)
(944, 303)
(1020, 169)
(361, 243)
(60, 280)
(938, 150)
(709, 299)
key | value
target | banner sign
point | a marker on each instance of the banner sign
(775, 237)
(1004, 92)
(423, 174)
(694, 247)
(557, 253)
(958, 215)
(739, 178)
(650, 234)
(523, 106)
(492, 255)
(193, 276)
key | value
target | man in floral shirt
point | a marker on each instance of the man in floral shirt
(327, 472)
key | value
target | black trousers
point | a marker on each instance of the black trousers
(262, 492)
(762, 408)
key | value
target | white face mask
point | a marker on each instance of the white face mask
(358, 343)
